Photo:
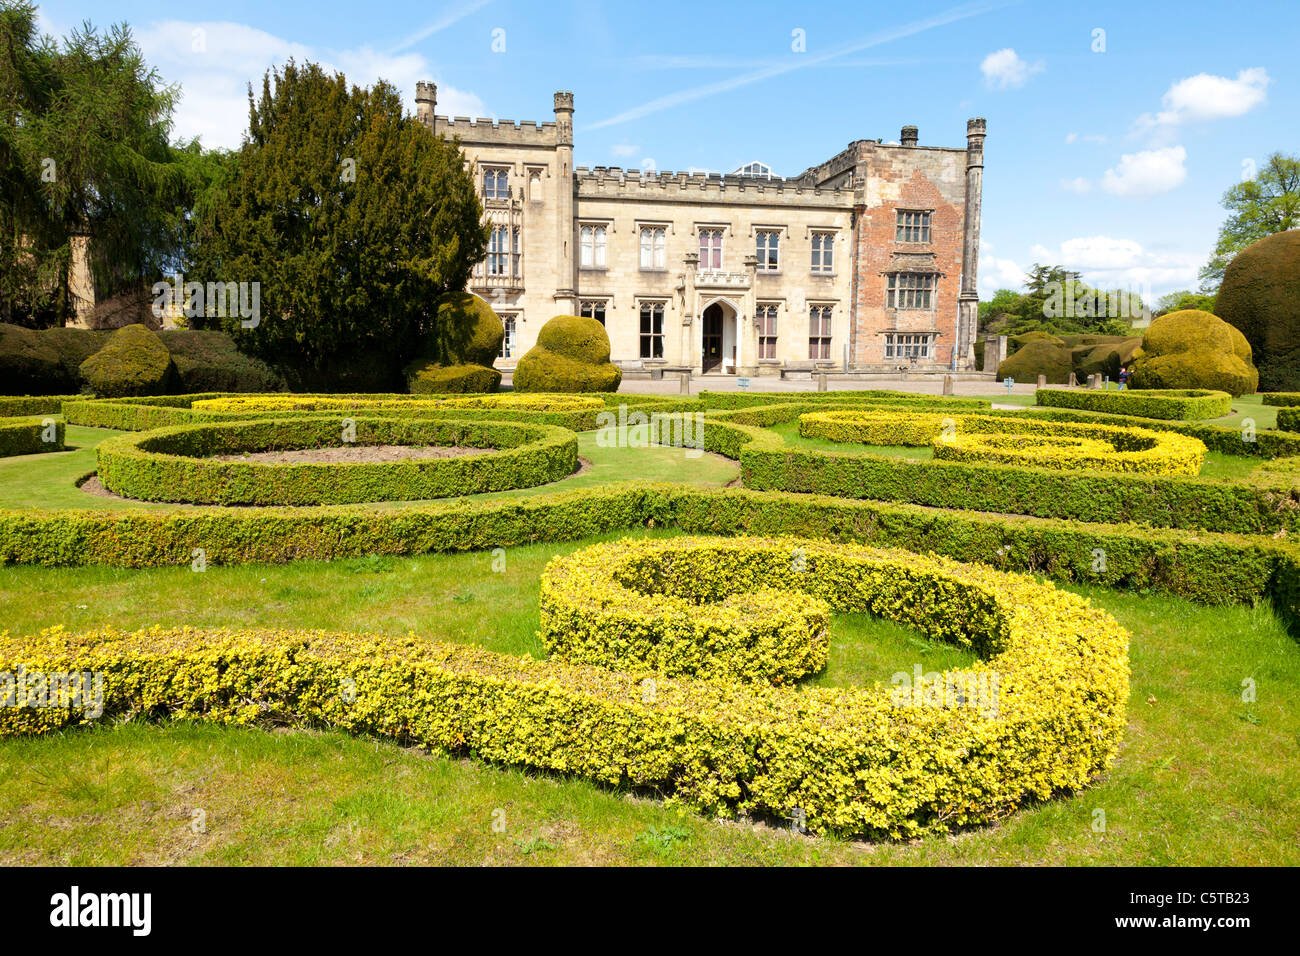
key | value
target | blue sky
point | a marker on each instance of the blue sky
(1107, 152)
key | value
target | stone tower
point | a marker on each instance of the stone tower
(968, 303)
(426, 102)
(565, 279)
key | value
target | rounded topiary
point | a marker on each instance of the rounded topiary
(133, 361)
(1049, 357)
(29, 365)
(1260, 296)
(571, 355)
(1103, 358)
(429, 378)
(1016, 342)
(210, 362)
(1194, 349)
(466, 331)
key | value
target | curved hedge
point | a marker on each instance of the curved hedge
(1175, 404)
(1042, 715)
(34, 404)
(1288, 419)
(30, 436)
(1028, 441)
(173, 464)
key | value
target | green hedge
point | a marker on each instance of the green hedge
(29, 436)
(1284, 399)
(1211, 568)
(1288, 419)
(1188, 404)
(1043, 715)
(35, 404)
(143, 414)
(175, 464)
(723, 401)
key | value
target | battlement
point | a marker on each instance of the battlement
(614, 182)
(497, 132)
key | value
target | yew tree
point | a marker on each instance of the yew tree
(351, 215)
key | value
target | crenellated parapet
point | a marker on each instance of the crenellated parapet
(497, 132)
(613, 182)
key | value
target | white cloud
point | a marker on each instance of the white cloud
(1004, 70)
(998, 273)
(1117, 263)
(624, 150)
(1146, 173)
(1076, 185)
(215, 61)
(1204, 97)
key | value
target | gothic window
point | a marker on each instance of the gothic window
(653, 248)
(496, 182)
(592, 247)
(508, 343)
(823, 253)
(652, 330)
(593, 309)
(766, 316)
(769, 252)
(499, 245)
(710, 248)
(819, 332)
(909, 290)
(913, 226)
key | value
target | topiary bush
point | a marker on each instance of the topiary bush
(210, 362)
(426, 378)
(1191, 349)
(1104, 357)
(134, 361)
(1039, 356)
(1016, 342)
(30, 364)
(457, 354)
(1260, 296)
(571, 355)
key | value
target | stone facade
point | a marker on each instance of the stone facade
(858, 263)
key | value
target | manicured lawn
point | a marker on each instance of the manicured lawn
(1202, 777)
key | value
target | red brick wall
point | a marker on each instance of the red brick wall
(876, 251)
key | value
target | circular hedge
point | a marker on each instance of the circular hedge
(1020, 441)
(1260, 295)
(175, 464)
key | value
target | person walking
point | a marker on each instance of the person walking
(1123, 377)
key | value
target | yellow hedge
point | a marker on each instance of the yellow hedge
(1030, 441)
(1043, 714)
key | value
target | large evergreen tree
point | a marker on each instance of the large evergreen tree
(84, 152)
(350, 215)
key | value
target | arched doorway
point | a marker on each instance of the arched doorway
(718, 339)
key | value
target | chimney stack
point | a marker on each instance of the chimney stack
(908, 137)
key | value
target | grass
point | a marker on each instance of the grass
(1203, 777)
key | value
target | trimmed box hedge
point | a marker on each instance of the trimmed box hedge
(1018, 441)
(1043, 715)
(175, 464)
(1209, 568)
(1173, 404)
(1288, 419)
(34, 404)
(34, 435)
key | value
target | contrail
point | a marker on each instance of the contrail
(799, 62)
(450, 17)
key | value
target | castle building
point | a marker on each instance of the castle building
(867, 262)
